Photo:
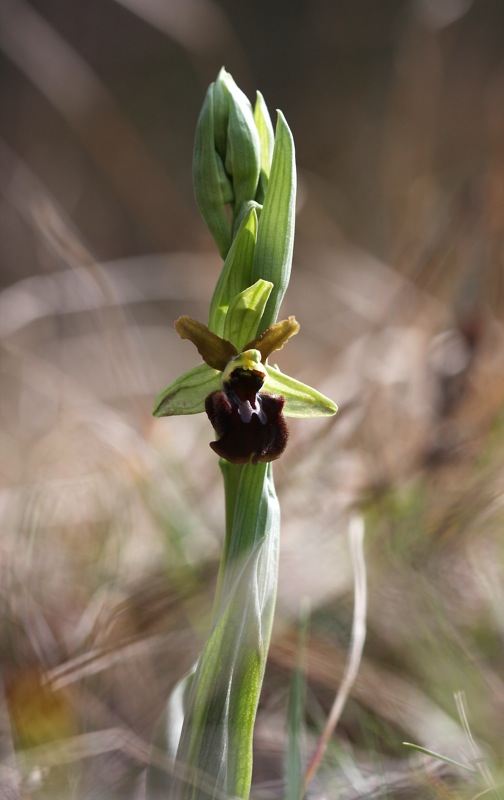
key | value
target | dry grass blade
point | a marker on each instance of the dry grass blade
(399, 290)
(356, 538)
(74, 89)
(479, 762)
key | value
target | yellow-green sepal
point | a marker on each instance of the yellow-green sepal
(301, 400)
(187, 394)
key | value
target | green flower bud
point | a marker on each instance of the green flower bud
(212, 186)
(227, 158)
(243, 153)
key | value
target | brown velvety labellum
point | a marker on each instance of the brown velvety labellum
(247, 433)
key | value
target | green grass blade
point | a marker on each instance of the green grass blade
(294, 762)
(439, 757)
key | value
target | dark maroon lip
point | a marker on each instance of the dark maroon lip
(251, 429)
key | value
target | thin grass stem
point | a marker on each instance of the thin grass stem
(356, 543)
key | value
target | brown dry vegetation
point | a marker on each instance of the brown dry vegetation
(111, 522)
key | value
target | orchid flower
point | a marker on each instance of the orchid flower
(244, 397)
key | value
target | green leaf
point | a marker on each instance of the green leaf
(300, 400)
(244, 212)
(186, 395)
(275, 236)
(267, 140)
(167, 737)
(245, 312)
(236, 274)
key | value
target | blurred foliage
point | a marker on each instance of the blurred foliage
(111, 522)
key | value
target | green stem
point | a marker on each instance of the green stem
(214, 757)
(231, 475)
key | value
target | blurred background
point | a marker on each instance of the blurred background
(112, 522)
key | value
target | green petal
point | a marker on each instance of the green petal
(186, 395)
(300, 400)
(245, 312)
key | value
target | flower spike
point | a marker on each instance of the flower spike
(245, 185)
